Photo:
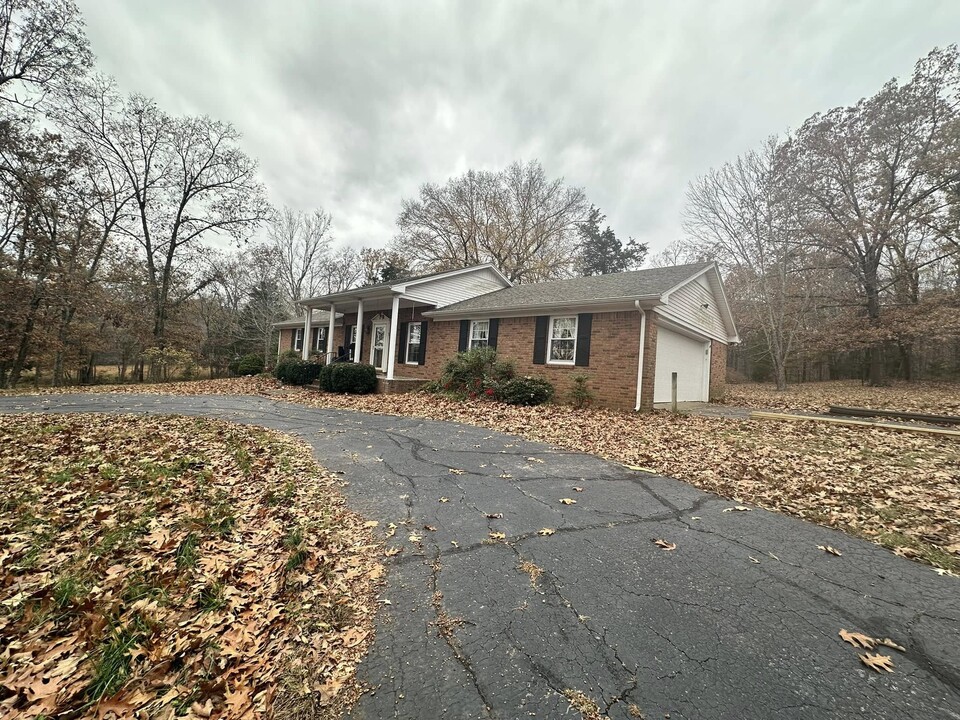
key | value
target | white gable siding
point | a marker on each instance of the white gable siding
(449, 290)
(686, 305)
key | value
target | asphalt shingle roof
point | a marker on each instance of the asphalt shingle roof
(626, 285)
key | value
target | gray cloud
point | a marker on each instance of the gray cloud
(351, 106)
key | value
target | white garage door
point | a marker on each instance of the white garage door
(689, 359)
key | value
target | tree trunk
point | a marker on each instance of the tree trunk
(876, 374)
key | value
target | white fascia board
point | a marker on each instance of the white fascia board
(664, 312)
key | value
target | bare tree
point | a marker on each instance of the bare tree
(741, 215)
(302, 244)
(342, 271)
(517, 218)
(42, 42)
(188, 178)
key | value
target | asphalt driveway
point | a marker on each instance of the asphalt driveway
(741, 620)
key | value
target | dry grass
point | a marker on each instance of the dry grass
(165, 567)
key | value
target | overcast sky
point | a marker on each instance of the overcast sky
(350, 106)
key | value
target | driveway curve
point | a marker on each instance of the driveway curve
(739, 621)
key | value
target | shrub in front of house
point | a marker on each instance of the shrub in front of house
(526, 391)
(475, 373)
(251, 364)
(350, 378)
(296, 372)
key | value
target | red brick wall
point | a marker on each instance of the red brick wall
(718, 370)
(649, 362)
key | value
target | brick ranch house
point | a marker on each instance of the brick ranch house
(627, 332)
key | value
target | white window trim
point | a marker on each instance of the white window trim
(406, 350)
(321, 342)
(470, 339)
(353, 341)
(298, 336)
(550, 339)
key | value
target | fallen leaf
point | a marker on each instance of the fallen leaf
(414, 538)
(857, 639)
(878, 663)
(536, 460)
(546, 531)
(444, 499)
(738, 508)
(578, 489)
(753, 559)
(455, 471)
(887, 642)
(430, 528)
(506, 476)
(828, 549)
(498, 536)
(455, 543)
(393, 550)
(494, 516)
(664, 544)
(567, 501)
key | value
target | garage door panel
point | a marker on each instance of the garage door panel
(689, 358)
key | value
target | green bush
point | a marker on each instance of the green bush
(324, 378)
(525, 391)
(350, 378)
(296, 372)
(581, 395)
(475, 372)
(251, 364)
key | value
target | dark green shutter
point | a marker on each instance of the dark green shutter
(346, 337)
(464, 335)
(402, 343)
(493, 332)
(293, 339)
(423, 343)
(584, 327)
(540, 340)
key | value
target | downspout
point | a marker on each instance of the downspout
(643, 342)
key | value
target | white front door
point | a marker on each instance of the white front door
(379, 345)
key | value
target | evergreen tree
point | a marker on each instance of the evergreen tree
(601, 252)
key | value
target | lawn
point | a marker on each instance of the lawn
(899, 490)
(163, 567)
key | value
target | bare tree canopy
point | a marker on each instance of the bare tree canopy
(518, 219)
(302, 244)
(43, 41)
(847, 229)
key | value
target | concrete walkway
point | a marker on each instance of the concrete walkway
(739, 621)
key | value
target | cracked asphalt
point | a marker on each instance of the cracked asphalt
(740, 621)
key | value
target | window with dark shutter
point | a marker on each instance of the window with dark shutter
(584, 327)
(464, 335)
(402, 342)
(423, 343)
(540, 340)
(494, 333)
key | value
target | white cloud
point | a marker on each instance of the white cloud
(351, 106)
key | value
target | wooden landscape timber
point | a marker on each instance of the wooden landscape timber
(896, 414)
(757, 415)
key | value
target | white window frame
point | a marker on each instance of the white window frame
(419, 343)
(473, 342)
(353, 341)
(551, 338)
(321, 342)
(298, 339)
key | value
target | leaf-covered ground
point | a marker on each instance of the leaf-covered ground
(925, 397)
(899, 490)
(172, 567)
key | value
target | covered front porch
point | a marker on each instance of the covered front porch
(378, 326)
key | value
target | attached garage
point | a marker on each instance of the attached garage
(688, 357)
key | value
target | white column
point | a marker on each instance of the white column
(394, 322)
(357, 357)
(333, 319)
(305, 350)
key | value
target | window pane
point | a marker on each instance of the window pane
(564, 328)
(480, 330)
(562, 349)
(413, 343)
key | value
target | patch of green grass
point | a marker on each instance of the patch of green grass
(211, 597)
(62, 477)
(928, 552)
(297, 559)
(140, 587)
(69, 589)
(121, 535)
(293, 538)
(112, 667)
(188, 551)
